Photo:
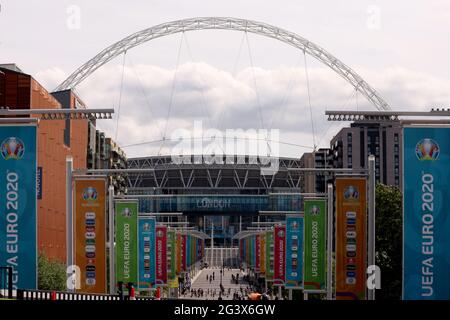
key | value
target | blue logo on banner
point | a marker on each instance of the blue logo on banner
(147, 245)
(294, 252)
(426, 245)
(18, 204)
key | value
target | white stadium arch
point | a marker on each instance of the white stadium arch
(226, 23)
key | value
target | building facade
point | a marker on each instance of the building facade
(105, 153)
(219, 199)
(352, 146)
(56, 140)
(316, 182)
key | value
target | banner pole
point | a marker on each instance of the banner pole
(69, 215)
(371, 224)
(112, 274)
(330, 243)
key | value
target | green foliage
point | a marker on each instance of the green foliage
(389, 240)
(51, 274)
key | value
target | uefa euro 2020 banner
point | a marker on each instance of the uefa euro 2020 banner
(270, 255)
(315, 245)
(90, 234)
(294, 252)
(351, 240)
(126, 216)
(426, 213)
(161, 255)
(279, 274)
(18, 221)
(147, 257)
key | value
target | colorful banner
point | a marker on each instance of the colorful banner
(351, 243)
(161, 255)
(126, 213)
(179, 243)
(18, 217)
(146, 265)
(257, 253)
(279, 276)
(252, 251)
(294, 252)
(270, 257)
(90, 233)
(426, 213)
(262, 257)
(188, 251)
(315, 245)
(183, 252)
(171, 254)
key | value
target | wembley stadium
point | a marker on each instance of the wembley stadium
(226, 196)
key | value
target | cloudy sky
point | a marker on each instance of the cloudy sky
(232, 80)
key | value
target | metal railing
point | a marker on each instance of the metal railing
(59, 295)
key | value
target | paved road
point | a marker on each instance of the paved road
(211, 289)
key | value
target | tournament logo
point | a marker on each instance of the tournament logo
(315, 211)
(126, 212)
(280, 233)
(427, 149)
(12, 148)
(90, 194)
(294, 225)
(146, 227)
(351, 193)
(159, 233)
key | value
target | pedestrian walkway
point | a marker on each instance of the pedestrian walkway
(211, 288)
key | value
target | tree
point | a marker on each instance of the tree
(51, 274)
(389, 240)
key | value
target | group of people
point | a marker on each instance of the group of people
(199, 293)
(235, 278)
(211, 277)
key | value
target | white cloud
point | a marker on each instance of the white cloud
(203, 92)
(50, 77)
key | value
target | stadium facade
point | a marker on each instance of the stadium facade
(227, 197)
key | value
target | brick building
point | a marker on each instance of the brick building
(56, 140)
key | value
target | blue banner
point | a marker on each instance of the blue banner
(18, 218)
(426, 213)
(188, 251)
(147, 258)
(294, 251)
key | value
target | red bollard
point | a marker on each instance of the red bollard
(158, 293)
(53, 295)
